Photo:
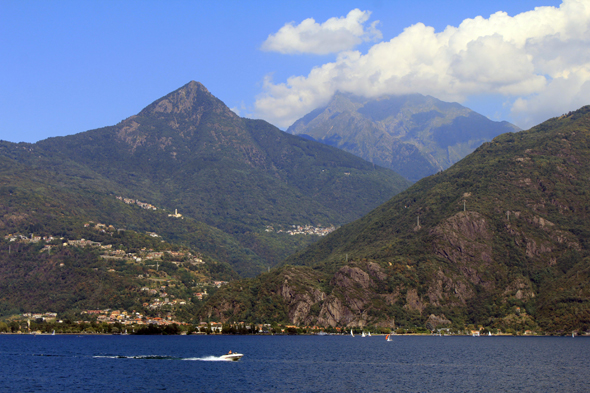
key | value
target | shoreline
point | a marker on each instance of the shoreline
(283, 334)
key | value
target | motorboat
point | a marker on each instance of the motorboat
(232, 356)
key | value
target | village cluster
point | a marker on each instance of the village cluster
(164, 299)
(143, 205)
(126, 318)
(146, 206)
(181, 257)
(303, 230)
(293, 229)
(132, 318)
(147, 257)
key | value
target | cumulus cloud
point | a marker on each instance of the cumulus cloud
(539, 59)
(332, 36)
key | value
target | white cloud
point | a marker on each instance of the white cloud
(332, 36)
(563, 94)
(540, 59)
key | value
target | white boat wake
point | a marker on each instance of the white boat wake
(159, 357)
(141, 357)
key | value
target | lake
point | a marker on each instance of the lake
(293, 364)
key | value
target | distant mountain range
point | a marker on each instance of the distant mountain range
(414, 135)
(236, 182)
(500, 240)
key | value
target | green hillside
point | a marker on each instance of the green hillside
(239, 184)
(96, 266)
(498, 240)
(51, 195)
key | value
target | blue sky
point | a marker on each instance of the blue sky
(71, 66)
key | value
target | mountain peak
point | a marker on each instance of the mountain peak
(190, 98)
(191, 88)
(413, 134)
(194, 85)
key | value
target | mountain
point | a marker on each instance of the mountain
(238, 183)
(499, 240)
(414, 135)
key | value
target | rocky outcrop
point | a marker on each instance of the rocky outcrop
(352, 278)
(376, 271)
(129, 134)
(519, 289)
(413, 301)
(334, 312)
(446, 290)
(435, 321)
(464, 238)
(299, 295)
(347, 303)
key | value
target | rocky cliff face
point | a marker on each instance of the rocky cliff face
(355, 296)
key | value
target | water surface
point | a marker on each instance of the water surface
(293, 364)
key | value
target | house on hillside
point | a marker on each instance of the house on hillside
(175, 215)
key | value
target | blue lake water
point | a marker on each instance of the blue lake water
(293, 364)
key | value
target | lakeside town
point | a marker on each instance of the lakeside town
(109, 321)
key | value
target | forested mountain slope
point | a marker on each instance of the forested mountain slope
(500, 239)
(236, 182)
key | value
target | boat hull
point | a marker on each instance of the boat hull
(232, 357)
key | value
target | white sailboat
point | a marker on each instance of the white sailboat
(369, 334)
(388, 338)
(351, 333)
(363, 335)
